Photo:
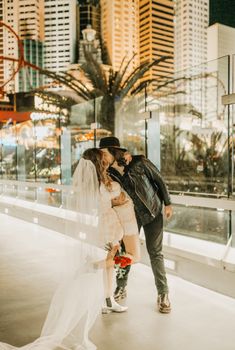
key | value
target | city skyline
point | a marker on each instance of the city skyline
(52, 34)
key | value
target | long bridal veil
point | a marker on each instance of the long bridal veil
(79, 296)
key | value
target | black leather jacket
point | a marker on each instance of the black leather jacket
(148, 184)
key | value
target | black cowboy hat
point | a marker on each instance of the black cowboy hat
(111, 141)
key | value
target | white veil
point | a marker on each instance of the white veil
(79, 296)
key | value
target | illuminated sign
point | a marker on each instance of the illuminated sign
(42, 116)
(42, 105)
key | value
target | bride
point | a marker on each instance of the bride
(87, 288)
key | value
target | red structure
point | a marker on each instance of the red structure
(14, 116)
(20, 61)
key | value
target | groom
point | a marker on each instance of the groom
(146, 187)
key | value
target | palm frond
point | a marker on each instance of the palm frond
(120, 75)
(137, 69)
(94, 72)
(133, 78)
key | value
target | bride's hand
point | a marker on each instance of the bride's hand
(119, 200)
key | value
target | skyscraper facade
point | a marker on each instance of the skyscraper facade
(60, 39)
(119, 31)
(191, 22)
(156, 36)
(1, 46)
(26, 18)
(88, 14)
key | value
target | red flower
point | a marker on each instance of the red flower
(51, 190)
(122, 261)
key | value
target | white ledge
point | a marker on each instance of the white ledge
(175, 245)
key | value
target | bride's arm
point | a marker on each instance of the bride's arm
(119, 200)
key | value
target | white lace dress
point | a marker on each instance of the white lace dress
(117, 221)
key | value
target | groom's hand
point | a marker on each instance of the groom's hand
(168, 211)
(128, 157)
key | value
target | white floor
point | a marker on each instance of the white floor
(29, 270)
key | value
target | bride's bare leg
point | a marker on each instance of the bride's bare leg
(108, 281)
(132, 247)
(108, 266)
(108, 271)
(108, 262)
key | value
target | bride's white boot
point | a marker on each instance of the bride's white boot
(112, 306)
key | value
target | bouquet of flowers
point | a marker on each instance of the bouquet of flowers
(122, 261)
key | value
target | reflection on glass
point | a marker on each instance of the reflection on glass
(25, 151)
(49, 196)
(204, 223)
(47, 150)
(9, 152)
(25, 192)
(194, 130)
(130, 124)
(103, 127)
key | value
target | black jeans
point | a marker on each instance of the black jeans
(153, 237)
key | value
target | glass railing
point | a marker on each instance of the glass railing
(195, 151)
(204, 218)
(199, 222)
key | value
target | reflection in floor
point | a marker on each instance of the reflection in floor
(31, 264)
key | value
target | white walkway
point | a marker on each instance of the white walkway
(31, 260)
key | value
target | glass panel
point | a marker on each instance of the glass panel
(102, 129)
(232, 125)
(26, 152)
(105, 116)
(233, 227)
(26, 192)
(204, 223)
(82, 134)
(47, 134)
(2, 168)
(153, 140)
(130, 126)
(50, 195)
(66, 164)
(9, 152)
(194, 129)
(10, 190)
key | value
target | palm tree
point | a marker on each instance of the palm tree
(112, 86)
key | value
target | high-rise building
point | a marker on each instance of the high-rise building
(223, 12)
(191, 22)
(221, 41)
(25, 17)
(156, 36)
(119, 31)
(60, 40)
(1, 46)
(220, 51)
(88, 14)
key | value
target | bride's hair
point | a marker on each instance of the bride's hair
(96, 156)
